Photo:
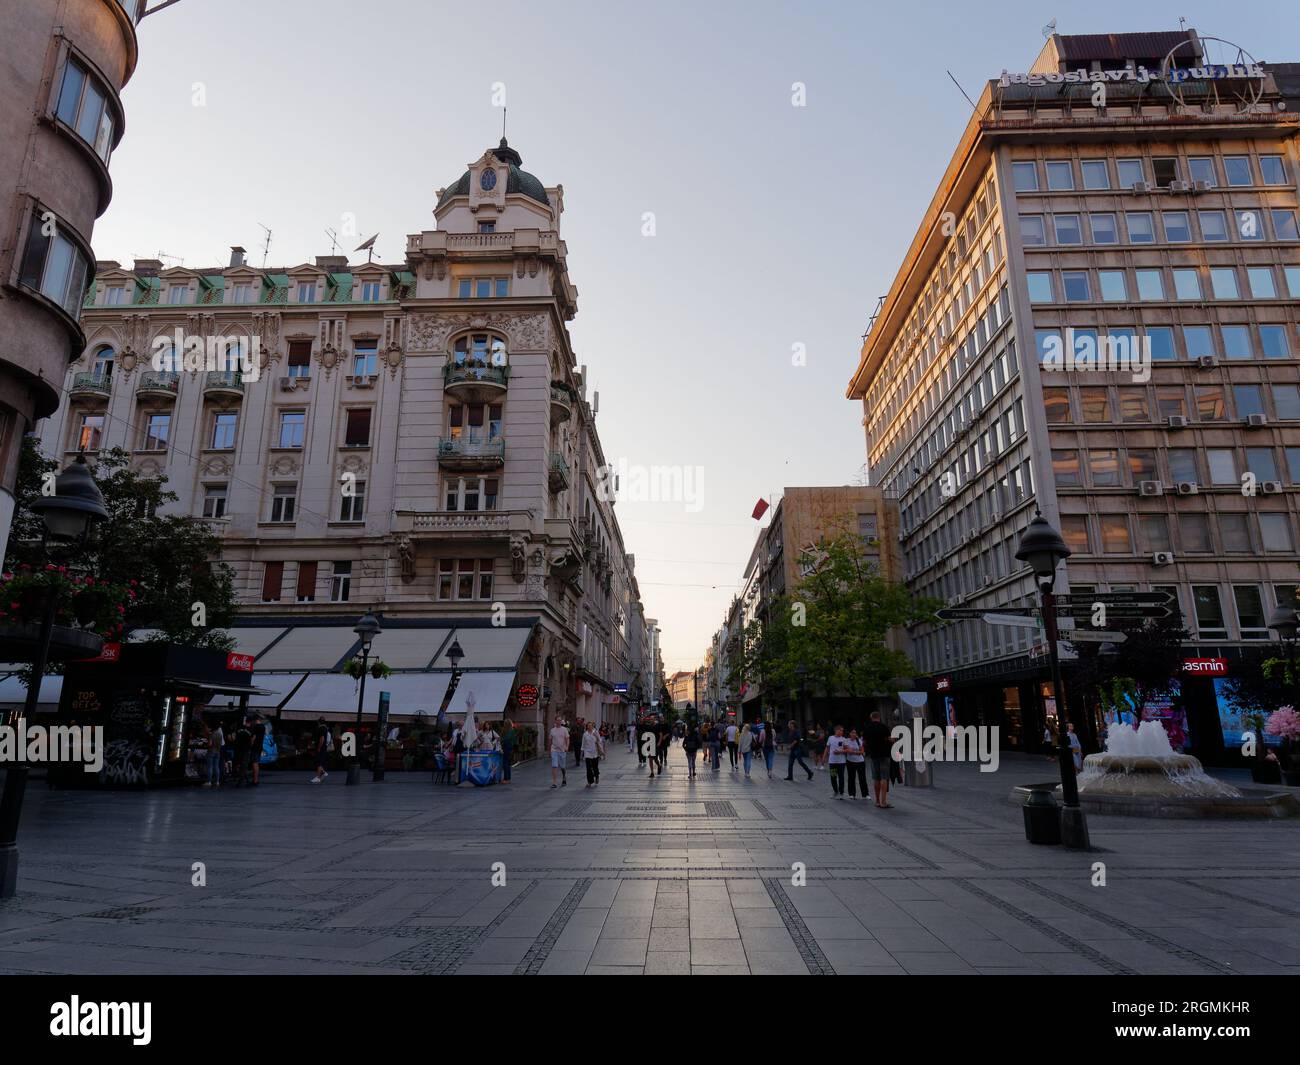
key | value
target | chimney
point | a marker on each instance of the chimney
(334, 264)
(236, 256)
(147, 267)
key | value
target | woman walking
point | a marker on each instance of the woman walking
(508, 736)
(691, 745)
(769, 747)
(856, 762)
(746, 747)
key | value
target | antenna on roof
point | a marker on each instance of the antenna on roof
(368, 246)
(266, 246)
(1182, 22)
(1050, 29)
(333, 234)
(961, 90)
(175, 259)
(503, 123)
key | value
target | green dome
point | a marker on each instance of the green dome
(518, 179)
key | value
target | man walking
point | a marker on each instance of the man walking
(259, 742)
(836, 756)
(715, 746)
(794, 738)
(592, 748)
(878, 742)
(559, 742)
(732, 745)
(575, 741)
(324, 744)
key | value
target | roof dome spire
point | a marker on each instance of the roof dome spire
(506, 154)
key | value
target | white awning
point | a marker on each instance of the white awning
(487, 648)
(309, 647)
(278, 684)
(409, 693)
(491, 692)
(409, 648)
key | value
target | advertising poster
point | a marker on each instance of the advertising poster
(1160, 708)
(1231, 718)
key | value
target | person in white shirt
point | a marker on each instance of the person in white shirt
(855, 753)
(559, 751)
(732, 746)
(593, 747)
(836, 756)
(746, 744)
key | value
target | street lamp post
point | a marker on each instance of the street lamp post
(1042, 547)
(68, 516)
(367, 629)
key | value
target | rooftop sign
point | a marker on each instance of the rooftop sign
(1141, 75)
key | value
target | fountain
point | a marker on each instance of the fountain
(1140, 774)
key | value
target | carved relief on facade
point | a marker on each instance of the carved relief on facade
(518, 558)
(405, 549)
(217, 466)
(284, 465)
(524, 332)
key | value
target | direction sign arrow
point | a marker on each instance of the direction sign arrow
(965, 613)
(1093, 636)
(1083, 610)
(1019, 620)
(1117, 598)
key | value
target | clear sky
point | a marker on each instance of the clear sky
(774, 225)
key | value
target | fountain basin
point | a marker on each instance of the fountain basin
(1172, 776)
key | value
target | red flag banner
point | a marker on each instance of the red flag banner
(760, 508)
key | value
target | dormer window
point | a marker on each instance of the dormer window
(487, 227)
(115, 296)
(241, 293)
(178, 294)
(306, 291)
(370, 292)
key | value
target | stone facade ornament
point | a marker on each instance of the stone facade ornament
(406, 558)
(284, 465)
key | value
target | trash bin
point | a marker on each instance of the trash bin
(918, 774)
(1042, 815)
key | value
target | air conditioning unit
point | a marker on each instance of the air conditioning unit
(1270, 488)
(1162, 558)
(1178, 186)
(1176, 421)
(1201, 186)
(1149, 488)
(286, 384)
(1141, 186)
(988, 579)
(1187, 488)
(1256, 421)
(1206, 362)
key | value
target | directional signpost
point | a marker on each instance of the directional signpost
(1092, 636)
(1116, 605)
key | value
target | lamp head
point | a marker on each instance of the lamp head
(75, 505)
(1042, 547)
(455, 654)
(1283, 622)
(367, 629)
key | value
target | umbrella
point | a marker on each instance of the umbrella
(469, 731)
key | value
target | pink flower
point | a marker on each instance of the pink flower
(1284, 722)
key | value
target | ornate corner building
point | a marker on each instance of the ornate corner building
(410, 438)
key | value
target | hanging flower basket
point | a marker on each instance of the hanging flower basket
(377, 669)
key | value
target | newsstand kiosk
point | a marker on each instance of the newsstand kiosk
(148, 698)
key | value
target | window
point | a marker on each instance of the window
(306, 291)
(1171, 401)
(1067, 229)
(1187, 284)
(1065, 469)
(1286, 400)
(1153, 530)
(1199, 340)
(1103, 467)
(306, 584)
(83, 106)
(1262, 463)
(464, 288)
(1275, 531)
(1182, 465)
(1040, 287)
(1292, 274)
(215, 497)
(1113, 286)
(1150, 284)
(156, 429)
(1160, 340)
(1141, 228)
(1074, 530)
(1284, 225)
(1250, 611)
(1032, 233)
(365, 358)
(370, 292)
(299, 358)
(1213, 225)
(1271, 170)
(1130, 172)
(1293, 464)
(471, 493)
(1178, 229)
(1201, 168)
(352, 503)
(1104, 230)
(1095, 174)
(1223, 465)
(1056, 403)
(1165, 170)
(1115, 538)
(53, 265)
(91, 432)
(1250, 225)
(1133, 406)
(341, 582)
(1194, 533)
(1095, 403)
(272, 581)
(1211, 405)
(502, 287)
(1060, 176)
(357, 431)
(1234, 532)
(1223, 282)
(1209, 611)
(284, 501)
(1075, 283)
(1236, 342)
(1047, 340)
(1262, 286)
(465, 578)
(1237, 169)
(241, 293)
(224, 424)
(178, 294)
(1249, 400)
(292, 425)
(115, 296)
(1273, 341)
(1024, 177)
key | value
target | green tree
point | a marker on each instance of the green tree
(172, 559)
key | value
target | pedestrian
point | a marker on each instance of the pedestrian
(856, 761)
(216, 740)
(508, 739)
(592, 748)
(324, 744)
(732, 745)
(639, 741)
(715, 745)
(746, 747)
(664, 742)
(819, 747)
(631, 740)
(1076, 748)
(1047, 742)
(879, 744)
(769, 748)
(650, 745)
(258, 746)
(794, 738)
(691, 745)
(837, 758)
(576, 731)
(559, 751)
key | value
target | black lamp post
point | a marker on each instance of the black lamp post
(367, 629)
(68, 516)
(1042, 547)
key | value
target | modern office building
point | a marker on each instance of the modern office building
(61, 116)
(1127, 198)
(412, 438)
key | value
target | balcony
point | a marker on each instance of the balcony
(158, 384)
(475, 381)
(223, 384)
(98, 385)
(561, 403)
(463, 524)
(558, 473)
(470, 453)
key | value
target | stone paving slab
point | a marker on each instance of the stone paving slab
(673, 877)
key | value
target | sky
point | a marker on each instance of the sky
(722, 330)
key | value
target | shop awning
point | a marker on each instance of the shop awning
(310, 647)
(13, 692)
(491, 692)
(485, 648)
(409, 693)
(276, 687)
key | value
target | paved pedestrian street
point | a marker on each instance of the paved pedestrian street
(635, 877)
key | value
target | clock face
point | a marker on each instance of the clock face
(488, 180)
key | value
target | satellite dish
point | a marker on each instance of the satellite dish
(368, 246)
(1050, 28)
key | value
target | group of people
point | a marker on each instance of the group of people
(234, 754)
(741, 742)
(588, 744)
(441, 745)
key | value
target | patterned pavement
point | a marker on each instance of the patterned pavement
(634, 876)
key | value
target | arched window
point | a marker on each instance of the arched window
(101, 363)
(480, 350)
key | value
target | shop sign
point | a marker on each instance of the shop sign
(621, 689)
(526, 695)
(239, 663)
(112, 652)
(942, 684)
(1206, 667)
